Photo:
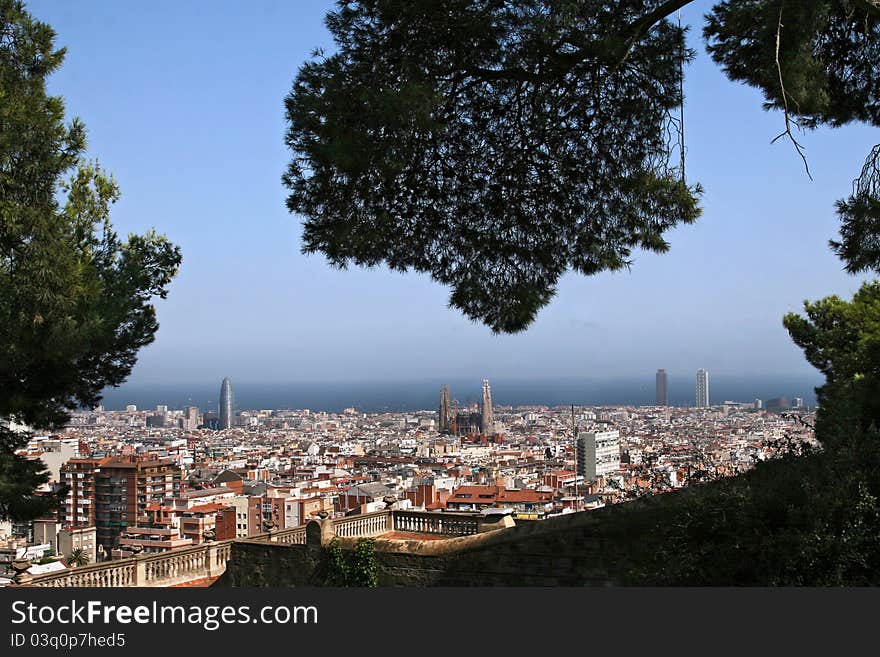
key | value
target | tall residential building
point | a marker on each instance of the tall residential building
(598, 453)
(445, 420)
(227, 418)
(486, 409)
(78, 475)
(702, 388)
(190, 420)
(124, 487)
(662, 389)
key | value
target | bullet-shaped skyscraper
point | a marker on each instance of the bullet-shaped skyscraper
(226, 405)
(662, 389)
(702, 388)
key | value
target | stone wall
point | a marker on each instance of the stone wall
(262, 564)
(596, 548)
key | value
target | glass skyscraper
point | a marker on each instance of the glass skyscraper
(226, 405)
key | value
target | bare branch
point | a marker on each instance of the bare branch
(868, 182)
(788, 121)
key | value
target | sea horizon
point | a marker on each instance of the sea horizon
(415, 395)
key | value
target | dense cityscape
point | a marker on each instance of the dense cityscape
(144, 481)
(324, 324)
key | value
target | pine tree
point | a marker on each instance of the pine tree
(74, 298)
(497, 145)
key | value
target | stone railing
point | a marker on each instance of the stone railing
(292, 536)
(446, 524)
(185, 564)
(208, 560)
(115, 573)
(164, 569)
(366, 525)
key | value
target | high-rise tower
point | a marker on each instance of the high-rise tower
(226, 405)
(445, 411)
(662, 389)
(486, 409)
(702, 388)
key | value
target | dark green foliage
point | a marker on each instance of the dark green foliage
(492, 145)
(842, 340)
(74, 298)
(810, 520)
(358, 568)
(496, 145)
(336, 567)
(829, 55)
(364, 572)
(859, 245)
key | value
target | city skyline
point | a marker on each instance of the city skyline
(422, 395)
(359, 324)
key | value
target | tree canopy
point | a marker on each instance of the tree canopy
(842, 340)
(497, 144)
(75, 299)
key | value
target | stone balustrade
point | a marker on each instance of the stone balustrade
(164, 569)
(292, 536)
(109, 574)
(208, 560)
(366, 525)
(446, 524)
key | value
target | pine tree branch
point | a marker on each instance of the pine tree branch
(787, 132)
(631, 35)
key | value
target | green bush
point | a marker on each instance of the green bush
(355, 569)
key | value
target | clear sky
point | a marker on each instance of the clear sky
(183, 101)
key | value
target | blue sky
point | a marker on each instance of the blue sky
(183, 102)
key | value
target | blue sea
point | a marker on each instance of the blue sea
(372, 397)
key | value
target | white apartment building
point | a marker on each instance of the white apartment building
(598, 453)
(702, 388)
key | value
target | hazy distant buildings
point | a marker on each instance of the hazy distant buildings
(488, 425)
(211, 420)
(778, 403)
(467, 422)
(702, 388)
(598, 453)
(662, 389)
(445, 420)
(473, 419)
(227, 418)
(157, 421)
(190, 420)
